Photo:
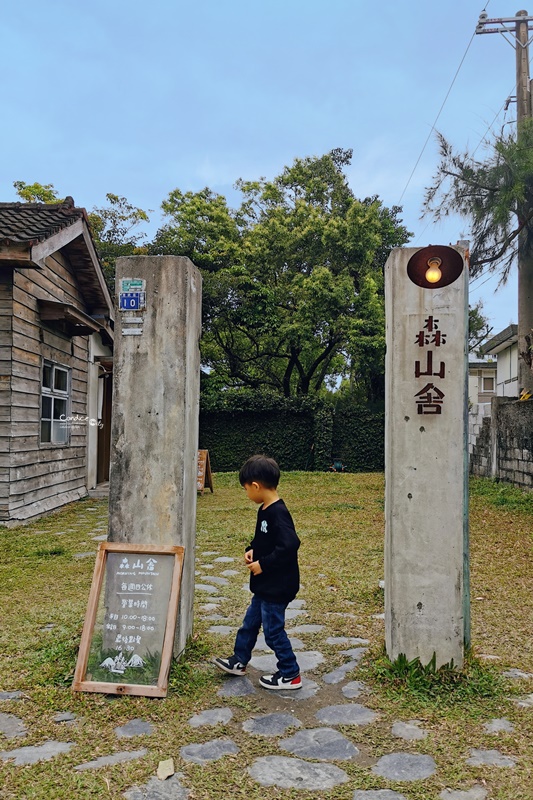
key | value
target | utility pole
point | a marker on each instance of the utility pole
(516, 31)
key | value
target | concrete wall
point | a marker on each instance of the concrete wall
(479, 436)
(152, 491)
(501, 444)
(426, 516)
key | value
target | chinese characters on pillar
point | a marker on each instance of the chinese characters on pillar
(430, 366)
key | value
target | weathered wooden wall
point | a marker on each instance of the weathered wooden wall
(44, 477)
(6, 337)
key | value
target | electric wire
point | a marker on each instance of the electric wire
(439, 112)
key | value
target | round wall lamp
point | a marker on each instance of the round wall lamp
(435, 266)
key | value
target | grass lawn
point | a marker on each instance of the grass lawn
(339, 518)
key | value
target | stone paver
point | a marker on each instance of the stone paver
(65, 716)
(207, 607)
(292, 613)
(524, 702)
(405, 767)
(475, 793)
(290, 773)
(229, 573)
(169, 789)
(349, 714)
(271, 724)
(114, 758)
(322, 744)
(222, 630)
(499, 726)
(11, 726)
(410, 731)
(213, 716)
(354, 689)
(204, 587)
(377, 794)
(237, 687)
(517, 674)
(305, 629)
(489, 758)
(223, 560)
(340, 673)
(209, 751)
(79, 556)
(309, 689)
(216, 580)
(35, 753)
(298, 603)
(10, 695)
(356, 653)
(348, 640)
(136, 727)
(261, 644)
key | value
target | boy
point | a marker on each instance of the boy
(272, 559)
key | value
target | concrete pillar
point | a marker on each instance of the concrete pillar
(152, 492)
(426, 457)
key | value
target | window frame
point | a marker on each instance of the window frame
(488, 378)
(57, 397)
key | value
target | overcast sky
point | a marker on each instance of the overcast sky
(138, 98)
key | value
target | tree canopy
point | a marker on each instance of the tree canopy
(293, 278)
(496, 196)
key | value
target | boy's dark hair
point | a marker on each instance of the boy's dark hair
(262, 469)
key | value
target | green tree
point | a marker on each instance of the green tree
(114, 228)
(293, 283)
(36, 192)
(479, 327)
(496, 197)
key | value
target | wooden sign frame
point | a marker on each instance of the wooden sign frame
(81, 683)
(204, 474)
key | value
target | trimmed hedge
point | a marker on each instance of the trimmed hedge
(300, 433)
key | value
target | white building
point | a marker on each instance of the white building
(505, 347)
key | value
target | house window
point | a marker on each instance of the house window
(54, 404)
(488, 384)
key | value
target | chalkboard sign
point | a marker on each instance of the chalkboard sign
(128, 635)
(204, 476)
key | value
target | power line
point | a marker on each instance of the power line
(440, 112)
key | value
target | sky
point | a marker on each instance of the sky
(139, 98)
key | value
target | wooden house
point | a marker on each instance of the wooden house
(56, 336)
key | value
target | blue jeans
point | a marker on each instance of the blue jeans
(272, 617)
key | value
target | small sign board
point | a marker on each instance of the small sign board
(132, 301)
(132, 285)
(204, 475)
(128, 634)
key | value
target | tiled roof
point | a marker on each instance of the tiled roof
(29, 223)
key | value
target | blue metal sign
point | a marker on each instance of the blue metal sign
(132, 301)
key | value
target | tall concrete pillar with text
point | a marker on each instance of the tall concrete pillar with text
(152, 492)
(426, 455)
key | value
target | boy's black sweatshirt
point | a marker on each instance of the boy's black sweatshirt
(275, 545)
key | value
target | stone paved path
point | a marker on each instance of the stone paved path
(310, 727)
